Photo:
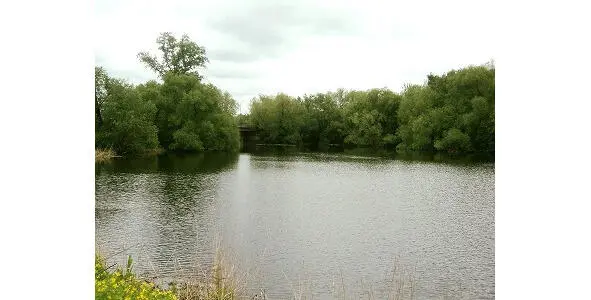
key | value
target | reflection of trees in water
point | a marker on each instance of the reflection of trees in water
(129, 165)
(185, 195)
(124, 222)
(114, 194)
(164, 203)
(446, 157)
(203, 163)
(366, 157)
(171, 163)
(179, 211)
(183, 209)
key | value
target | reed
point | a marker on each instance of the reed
(104, 155)
(226, 280)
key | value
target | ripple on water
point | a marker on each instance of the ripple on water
(323, 218)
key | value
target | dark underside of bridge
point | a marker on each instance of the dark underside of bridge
(248, 138)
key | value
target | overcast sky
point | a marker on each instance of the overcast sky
(300, 46)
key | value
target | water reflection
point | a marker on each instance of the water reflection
(305, 217)
(171, 163)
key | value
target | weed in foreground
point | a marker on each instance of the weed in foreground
(123, 284)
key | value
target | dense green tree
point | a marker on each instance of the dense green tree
(361, 121)
(322, 121)
(415, 131)
(370, 118)
(127, 120)
(101, 81)
(453, 140)
(101, 84)
(192, 116)
(206, 120)
(178, 56)
(180, 113)
(279, 119)
(386, 103)
(450, 112)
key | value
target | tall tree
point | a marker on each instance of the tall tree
(192, 116)
(101, 81)
(452, 112)
(322, 121)
(177, 56)
(128, 121)
(278, 118)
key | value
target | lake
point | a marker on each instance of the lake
(305, 223)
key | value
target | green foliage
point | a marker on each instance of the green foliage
(322, 121)
(101, 81)
(123, 284)
(370, 117)
(279, 119)
(126, 121)
(454, 140)
(415, 128)
(181, 113)
(177, 56)
(390, 140)
(193, 116)
(451, 112)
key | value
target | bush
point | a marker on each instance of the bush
(195, 117)
(127, 121)
(453, 141)
(122, 284)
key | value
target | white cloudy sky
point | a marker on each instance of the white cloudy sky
(300, 46)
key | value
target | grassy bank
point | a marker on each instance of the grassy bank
(221, 282)
(225, 281)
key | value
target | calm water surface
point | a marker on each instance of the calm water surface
(304, 222)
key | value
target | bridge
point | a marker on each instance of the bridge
(248, 137)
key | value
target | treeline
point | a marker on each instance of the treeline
(181, 113)
(452, 112)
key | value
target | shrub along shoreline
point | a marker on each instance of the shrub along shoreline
(452, 112)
